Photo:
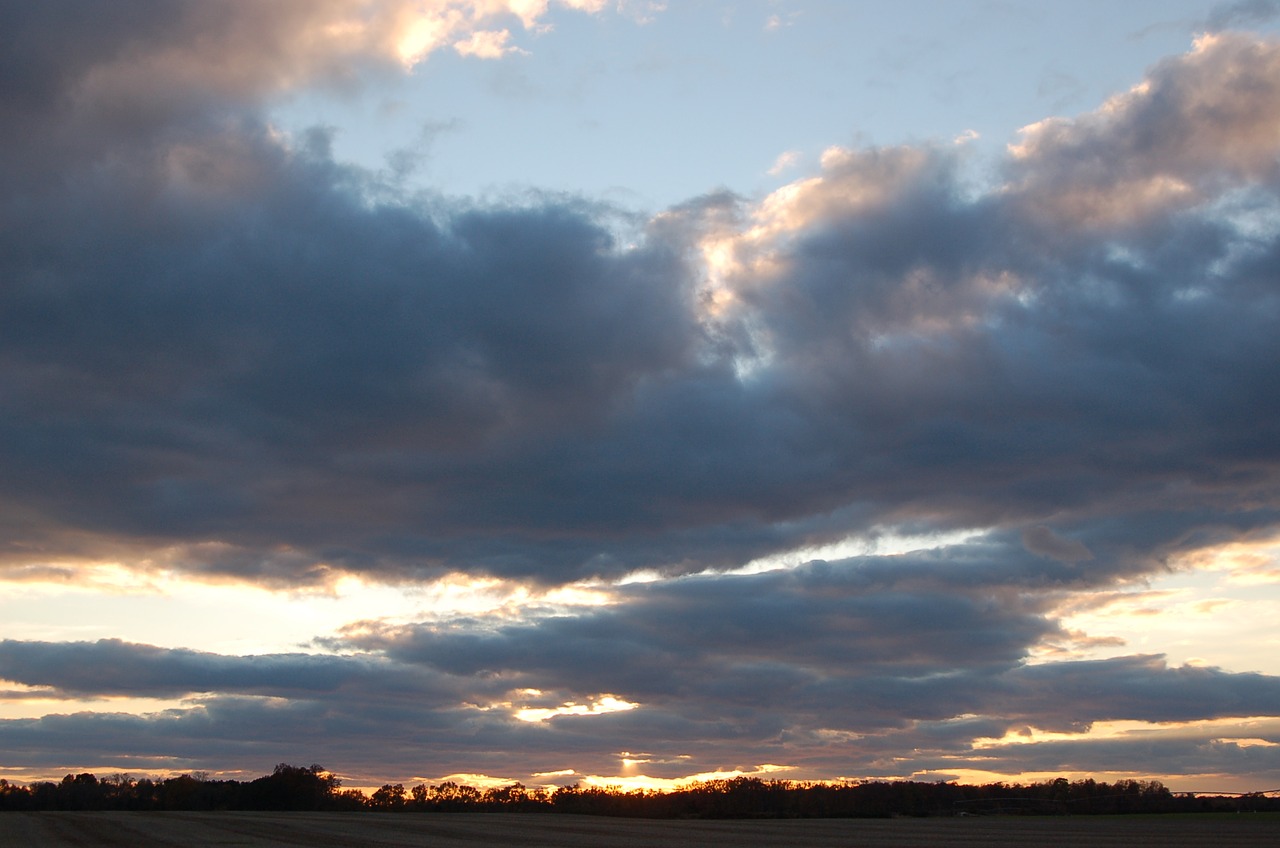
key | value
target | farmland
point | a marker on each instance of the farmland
(467, 830)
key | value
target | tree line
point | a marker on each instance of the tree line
(312, 788)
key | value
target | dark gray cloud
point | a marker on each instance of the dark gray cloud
(384, 716)
(226, 353)
(111, 667)
(1043, 541)
(856, 646)
(828, 668)
(818, 619)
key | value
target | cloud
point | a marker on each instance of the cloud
(1242, 13)
(784, 162)
(1198, 125)
(1192, 750)
(833, 668)
(1044, 542)
(486, 44)
(111, 667)
(860, 646)
(141, 67)
(225, 354)
(777, 22)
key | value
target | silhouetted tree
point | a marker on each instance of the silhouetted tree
(293, 788)
(388, 797)
(297, 788)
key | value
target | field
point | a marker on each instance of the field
(383, 830)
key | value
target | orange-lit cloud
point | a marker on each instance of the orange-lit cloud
(1197, 123)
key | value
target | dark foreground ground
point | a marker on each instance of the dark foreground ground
(389, 830)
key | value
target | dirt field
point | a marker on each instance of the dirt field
(380, 830)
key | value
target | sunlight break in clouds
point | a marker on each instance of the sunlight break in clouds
(1246, 562)
(420, 27)
(597, 706)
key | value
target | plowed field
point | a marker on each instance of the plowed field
(381, 830)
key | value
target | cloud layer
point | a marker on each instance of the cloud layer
(223, 351)
(225, 354)
(867, 667)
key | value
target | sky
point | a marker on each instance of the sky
(627, 393)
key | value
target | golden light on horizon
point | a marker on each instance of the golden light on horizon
(1248, 728)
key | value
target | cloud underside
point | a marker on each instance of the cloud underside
(432, 704)
(224, 354)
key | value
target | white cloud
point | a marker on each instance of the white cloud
(785, 161)
(486, 44)
(1199, 122)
